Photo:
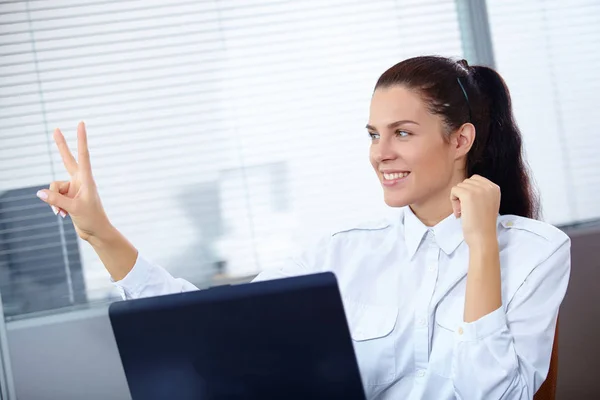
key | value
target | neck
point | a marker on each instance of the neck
(431, 214)
(435, 208)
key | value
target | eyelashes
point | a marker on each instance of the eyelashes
(399, 133)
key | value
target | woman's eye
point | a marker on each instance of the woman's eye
(373, 135)
(402, 133)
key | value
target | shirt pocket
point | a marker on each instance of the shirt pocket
(371, 329)
(448, 318)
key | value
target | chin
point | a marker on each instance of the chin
(394, 200)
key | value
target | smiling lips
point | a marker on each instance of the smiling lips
(393, 178)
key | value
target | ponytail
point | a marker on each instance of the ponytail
(498, 155)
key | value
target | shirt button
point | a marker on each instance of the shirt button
(510, 223)
(460, 330)
(421, 373)
(422, 322)
(431, 268)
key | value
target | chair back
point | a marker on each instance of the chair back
(548, 389)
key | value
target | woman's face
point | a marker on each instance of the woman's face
(413, 159)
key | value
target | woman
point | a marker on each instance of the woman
(458, 296)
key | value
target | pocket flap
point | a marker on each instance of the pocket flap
(369, 321)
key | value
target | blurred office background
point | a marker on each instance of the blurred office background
(226, 134)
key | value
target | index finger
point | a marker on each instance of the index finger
(455, 194)
(65, 153)
(83, 153)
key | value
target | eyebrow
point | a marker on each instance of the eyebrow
(394, 124)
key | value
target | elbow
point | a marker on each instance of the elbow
(505, 385)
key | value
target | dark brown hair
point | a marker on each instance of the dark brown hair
(497, 152)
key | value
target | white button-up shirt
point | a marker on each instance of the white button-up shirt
(403, 286)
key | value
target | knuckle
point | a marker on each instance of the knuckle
(56, 186)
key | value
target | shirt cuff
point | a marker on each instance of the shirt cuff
(483, 327)
(130, 285)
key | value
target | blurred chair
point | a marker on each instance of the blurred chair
(548, 389)
(40, 266)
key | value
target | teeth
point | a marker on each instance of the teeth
(396, 175)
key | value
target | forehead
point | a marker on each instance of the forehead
(396, 103)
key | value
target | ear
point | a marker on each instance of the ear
(464, 138)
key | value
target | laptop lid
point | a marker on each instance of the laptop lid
(280, 339)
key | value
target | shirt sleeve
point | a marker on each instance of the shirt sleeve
(506, 353)
(147, 279)
(310, 259)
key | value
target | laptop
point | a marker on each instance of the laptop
(280, 339)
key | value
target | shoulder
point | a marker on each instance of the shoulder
(530, 232)
(363, 226)
(531, 251)
(349, 231)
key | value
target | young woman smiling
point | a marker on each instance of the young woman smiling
(458, 296)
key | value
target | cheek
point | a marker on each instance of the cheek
(414, 156)
(430, 161)
(425, 161)
(372, 158)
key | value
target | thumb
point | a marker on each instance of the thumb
(456, 207)
(455, 204)
(55, 199)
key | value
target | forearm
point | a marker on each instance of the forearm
(486, 363)
(483, 292)
(116, 253)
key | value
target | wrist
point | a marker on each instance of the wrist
(103, 236)
(484, 244)
(114, 250)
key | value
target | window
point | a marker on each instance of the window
(547, 51)
(221, 132)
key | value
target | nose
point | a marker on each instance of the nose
(383, 150)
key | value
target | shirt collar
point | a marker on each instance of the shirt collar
(448, 233)
(414, 230)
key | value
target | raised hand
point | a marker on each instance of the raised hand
(477, 201)
(77, 197)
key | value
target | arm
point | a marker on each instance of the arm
(476, 201)
(79, 198)
(308, 258)
(505, 354)
(133, 275)
(114, 250)
(146, 279)
(483, 294)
